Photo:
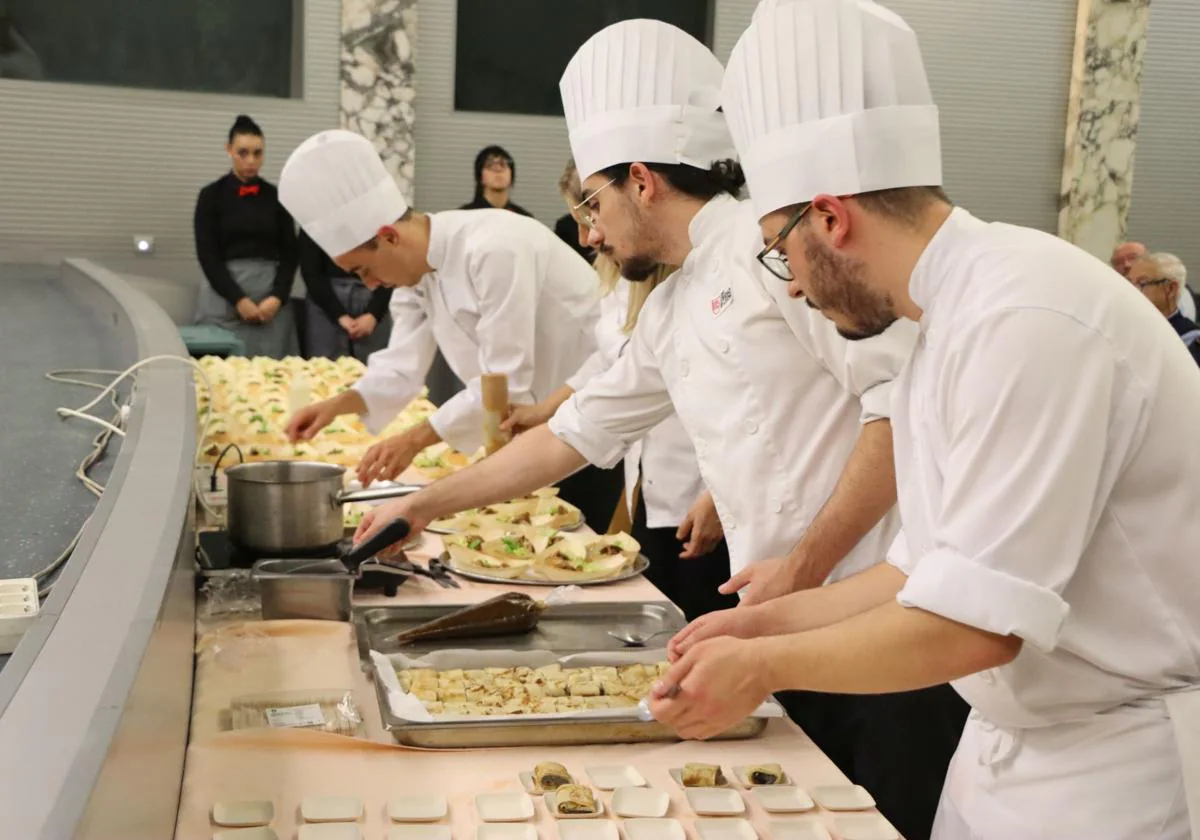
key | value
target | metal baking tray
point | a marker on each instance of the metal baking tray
(571, 628)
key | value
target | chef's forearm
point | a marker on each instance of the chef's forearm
(809, 609)
(421, 436)
(888, 649)
(864, 493)
(349, 401)
(533, 460)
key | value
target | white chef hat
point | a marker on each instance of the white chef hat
(830, 96)
(338, 190)
(644, 90)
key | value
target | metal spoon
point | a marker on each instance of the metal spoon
(631, 638)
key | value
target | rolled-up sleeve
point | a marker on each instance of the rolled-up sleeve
(396, 374)
(1024, 402)
(618, 407)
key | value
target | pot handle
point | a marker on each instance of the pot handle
(372, 494)
(393, 532)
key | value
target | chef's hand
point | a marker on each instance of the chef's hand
(378, 518)
(311, 419)
(701, 529)
(248, 311)
(522, 418)
(767, 579)
(715, 685)
(734, 622)
(347, 324)
(364, 325)
(387, 459)
(268, 307)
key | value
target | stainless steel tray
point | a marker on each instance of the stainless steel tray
(639, 565)
(571, 628)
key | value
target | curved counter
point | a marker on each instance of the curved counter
(94, 701)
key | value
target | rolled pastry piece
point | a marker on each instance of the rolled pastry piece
(702, 775)
(765, 774)
(550, 775)
(575, 800)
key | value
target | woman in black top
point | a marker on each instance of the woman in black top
(345, 318)
(495, 173)
(246, 243)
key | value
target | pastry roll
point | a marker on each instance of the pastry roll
(765, 774)
(575, 799)
(550, 775)
(702, 775)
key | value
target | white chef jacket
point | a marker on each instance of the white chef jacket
(506, 295)
(1043, 496)
(771, 396)
(665, 456)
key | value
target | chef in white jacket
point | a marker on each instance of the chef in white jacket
(1047, 562)
(788, 419)
(495, 291)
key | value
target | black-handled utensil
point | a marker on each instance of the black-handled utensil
(443, 572)
(394, 532)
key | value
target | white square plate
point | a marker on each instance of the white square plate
(743, 777)
(653, 830)
(240, 814)
(419, 832)
(551, 800)
(716, 802)
(527, 782)
(512, 806)
(725, 830)
(595, 830)
(331, 809)
(783, 800)
(843, 797)
(640, 802)
(806, 829)
(865, 827)
(616, 776)
(677, 775)
(329, 831)
(506, 832)
(417, 808)
(256, 833)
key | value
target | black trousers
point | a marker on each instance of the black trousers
(595, 492)
(897, 746)
(690, 584)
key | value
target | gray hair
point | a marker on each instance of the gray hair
(1171, 267)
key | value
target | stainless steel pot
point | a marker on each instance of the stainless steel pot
(280, 507)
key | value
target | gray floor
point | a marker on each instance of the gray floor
(42, 504)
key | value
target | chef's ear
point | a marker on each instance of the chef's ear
(387, 234)
(642, 178)
(830, 219)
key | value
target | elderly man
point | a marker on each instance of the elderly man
(1125, 255)
(1162, 278)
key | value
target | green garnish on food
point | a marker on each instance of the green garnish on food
(474, 543)
(276, 408)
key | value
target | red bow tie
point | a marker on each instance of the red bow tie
(244, 190)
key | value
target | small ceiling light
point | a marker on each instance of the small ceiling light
(143, 244)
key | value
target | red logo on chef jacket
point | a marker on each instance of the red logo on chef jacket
(245, 191)
(721, 302)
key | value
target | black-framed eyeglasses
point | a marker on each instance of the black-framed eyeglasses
(774, 260)
(1157, 281)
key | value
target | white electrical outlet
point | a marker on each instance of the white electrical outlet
(18, 608)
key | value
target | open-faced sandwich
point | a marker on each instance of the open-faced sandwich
(568, 560)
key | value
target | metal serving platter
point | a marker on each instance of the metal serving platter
(639, 565)
(572, 527)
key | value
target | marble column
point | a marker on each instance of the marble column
(1102, 122)
(377, 80)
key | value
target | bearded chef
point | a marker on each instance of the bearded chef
(495, 291)
(1043, 497)
(788, 419)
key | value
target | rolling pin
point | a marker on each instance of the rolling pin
(494, 390)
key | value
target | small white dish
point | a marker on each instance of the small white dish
(419, 832)
(743, 777)
(843, 797)
(783, 799)
(725, 830)
(417, 808)
(243, 813)
(322, 809)
(716, 802)
(596, 830)
(510, 806)
(806, 829)
(653, 830)
(506, 832)
(329, 831)
(677, 775)
(260, 832)
(864, 827)
(551, 800)
(640, 803)
(616, 776)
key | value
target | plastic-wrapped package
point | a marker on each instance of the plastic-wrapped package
(327, 710)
